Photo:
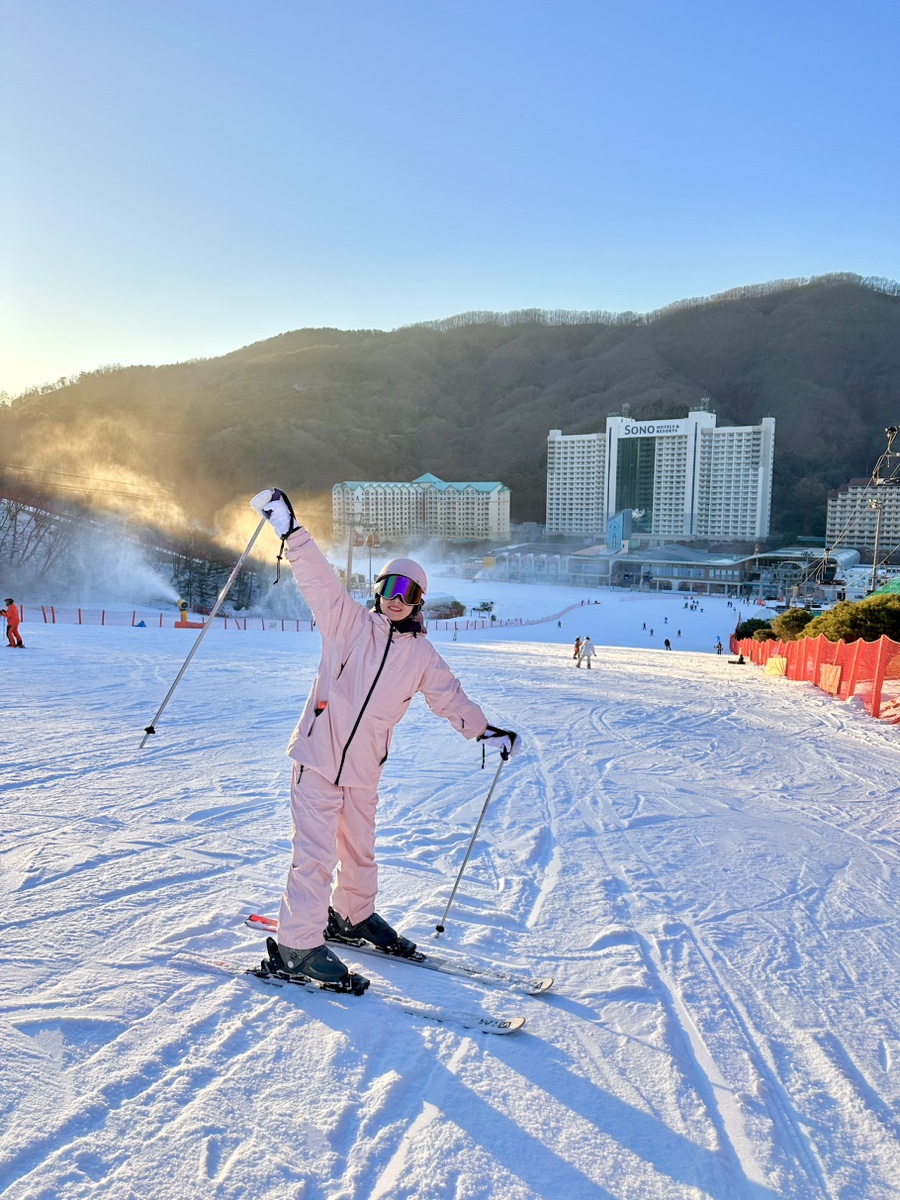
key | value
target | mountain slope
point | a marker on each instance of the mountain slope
(475, 398)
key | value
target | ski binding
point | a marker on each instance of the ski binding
(427, 1012)
(429, 962)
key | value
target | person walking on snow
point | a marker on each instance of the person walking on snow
(372, 664)
(577, 647)
(587, 652)
(11, 612)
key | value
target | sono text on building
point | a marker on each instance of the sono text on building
(682, 478)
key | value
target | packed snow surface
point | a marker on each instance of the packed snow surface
(704, 857)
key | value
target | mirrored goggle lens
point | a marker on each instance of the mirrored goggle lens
(407, 589)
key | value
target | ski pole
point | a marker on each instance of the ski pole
(440, 926)
(151, 728)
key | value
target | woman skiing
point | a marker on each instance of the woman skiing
(372, 664)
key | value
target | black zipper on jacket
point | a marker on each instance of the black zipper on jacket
(359, 715)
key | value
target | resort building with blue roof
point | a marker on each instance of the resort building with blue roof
(425, 507)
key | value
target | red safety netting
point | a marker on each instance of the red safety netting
(870, 670)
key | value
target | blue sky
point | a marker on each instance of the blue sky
(183, 177)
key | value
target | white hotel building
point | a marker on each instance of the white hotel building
(680, 478)
(426, 507)
(853, 516)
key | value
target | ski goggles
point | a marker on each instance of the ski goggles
(390, 586)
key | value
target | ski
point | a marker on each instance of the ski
(426, 1012)
(430, 962)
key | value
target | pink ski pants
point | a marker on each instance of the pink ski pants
(332, 826)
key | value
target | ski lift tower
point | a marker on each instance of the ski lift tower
(886, 474)
(362, 532)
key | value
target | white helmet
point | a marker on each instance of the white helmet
(407, 567)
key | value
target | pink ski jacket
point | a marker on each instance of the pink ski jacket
(368, 674)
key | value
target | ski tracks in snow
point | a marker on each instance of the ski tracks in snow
(704, 858)
(744, 1039)
(650, 814)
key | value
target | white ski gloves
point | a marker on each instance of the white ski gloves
(274, 505)
(503, 740)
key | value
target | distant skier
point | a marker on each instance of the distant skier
(667, 644)
(11, 612)
(719, 647)
(373, 662)
(586, 653)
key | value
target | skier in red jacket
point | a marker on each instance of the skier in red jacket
(11, 612)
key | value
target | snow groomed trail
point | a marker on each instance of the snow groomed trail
(705, 858)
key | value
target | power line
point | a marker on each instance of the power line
(86, 491)
(48, 471)
(90, 491)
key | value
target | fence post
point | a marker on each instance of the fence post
(793, 656)
(817, 659)
(854, 669)
(809, 655)
(880, 665)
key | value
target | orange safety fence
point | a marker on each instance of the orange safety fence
(869, 670)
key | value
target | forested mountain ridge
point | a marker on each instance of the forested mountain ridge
(473, 397)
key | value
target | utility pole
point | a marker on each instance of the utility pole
(350, 537)
(886, 474)
(877, 505)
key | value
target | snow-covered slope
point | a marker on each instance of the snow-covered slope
(704, 857)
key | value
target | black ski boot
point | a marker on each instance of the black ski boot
(373, 929)
(320, 965)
